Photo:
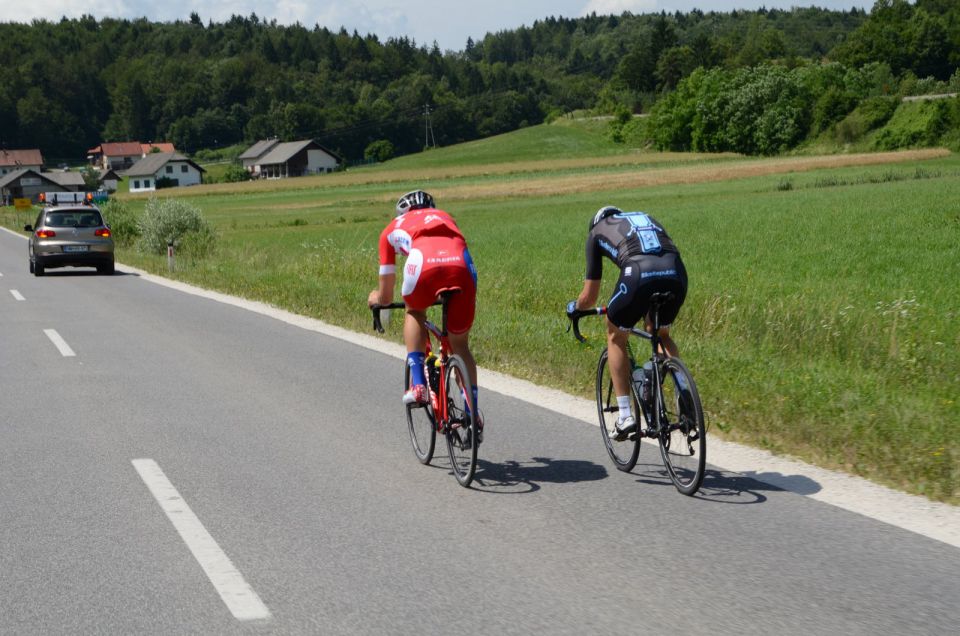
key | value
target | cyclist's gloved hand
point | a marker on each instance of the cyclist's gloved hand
(571, 308)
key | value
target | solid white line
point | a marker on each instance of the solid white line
(59, 343)
(917, 514)
(239, 597)
(16, 294)
(909, 512)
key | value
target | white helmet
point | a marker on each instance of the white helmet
(416, 200)
(604, 212)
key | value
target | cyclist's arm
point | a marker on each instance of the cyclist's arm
(383, 294)
(591, 286)
(588, 296)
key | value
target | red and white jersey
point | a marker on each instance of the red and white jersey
(414, 228)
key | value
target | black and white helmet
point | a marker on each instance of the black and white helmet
(604, 212)
(416, 200)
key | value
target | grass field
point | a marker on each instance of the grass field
(824, 299)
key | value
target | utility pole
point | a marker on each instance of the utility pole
(428, 137)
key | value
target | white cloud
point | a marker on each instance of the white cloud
(386, 21)
(616, 7)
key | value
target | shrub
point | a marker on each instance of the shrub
(379, 150)
(916, 124)
(877, 111)
(124, 224)
(236, 173)
(176, 221)
(872, 113)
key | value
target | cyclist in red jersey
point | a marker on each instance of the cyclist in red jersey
(436, 258)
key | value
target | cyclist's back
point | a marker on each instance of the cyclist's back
(625, 237)
(648, 259)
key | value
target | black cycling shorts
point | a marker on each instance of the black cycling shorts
(639, 280)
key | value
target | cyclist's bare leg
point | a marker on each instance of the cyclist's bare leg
(667, 345)
(414, 332)
(460, 344)
(617, 358)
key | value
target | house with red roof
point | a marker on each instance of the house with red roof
(13, 160)
(163, 146)
(118, 155)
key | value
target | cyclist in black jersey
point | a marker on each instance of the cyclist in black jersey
(649, 263)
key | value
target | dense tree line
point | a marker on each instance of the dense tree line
(69, 85)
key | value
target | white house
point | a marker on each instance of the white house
(269, 159)
(170, 169)
(249, 158)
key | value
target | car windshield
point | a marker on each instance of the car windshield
(74, 218)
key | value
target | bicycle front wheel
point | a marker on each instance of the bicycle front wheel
(624, 454)
(421, 424)
(460, 427)
(682, 433)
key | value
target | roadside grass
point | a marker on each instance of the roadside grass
(821, 318)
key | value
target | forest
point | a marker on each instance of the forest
(67, 86)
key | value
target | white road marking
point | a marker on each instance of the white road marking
(59, 343)
(239, 597)
(909, 512)
(16, 294)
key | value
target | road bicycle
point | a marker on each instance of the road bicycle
(666, 397)
(451, 409)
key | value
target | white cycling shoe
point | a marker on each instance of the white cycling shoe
(624, 428)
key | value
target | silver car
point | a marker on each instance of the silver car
(70, 236)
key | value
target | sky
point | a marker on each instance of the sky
(448, 23)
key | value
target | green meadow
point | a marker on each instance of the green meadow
(824, 300)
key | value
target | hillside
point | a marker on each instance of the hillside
(80, 82)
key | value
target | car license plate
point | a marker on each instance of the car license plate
(75, 248)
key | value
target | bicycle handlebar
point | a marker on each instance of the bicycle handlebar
(377, 325)
(577, 314)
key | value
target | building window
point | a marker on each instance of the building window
(136, 184)
(169, 169)
(146, 183)
(183, 168)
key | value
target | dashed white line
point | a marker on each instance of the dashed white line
(931, 519)
(16, 294)
(240, 598)
(59, 343)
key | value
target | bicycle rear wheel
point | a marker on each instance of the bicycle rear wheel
(421, 424)
(461, 426)
(683, 436)
(624, 454)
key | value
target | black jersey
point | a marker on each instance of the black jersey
(625, 237)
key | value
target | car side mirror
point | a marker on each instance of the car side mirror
(28, 228)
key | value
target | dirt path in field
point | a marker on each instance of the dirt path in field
(635, 170)
(567, 184)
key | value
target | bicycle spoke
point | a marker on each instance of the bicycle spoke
(421, 425)
(623, 454)
(461, 425)
(683, 435)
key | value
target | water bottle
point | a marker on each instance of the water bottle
(643, 376)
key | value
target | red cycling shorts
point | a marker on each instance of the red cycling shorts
(437, 263)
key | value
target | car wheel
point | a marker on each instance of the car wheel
(31, 266)
(38, 269)
(107, 268)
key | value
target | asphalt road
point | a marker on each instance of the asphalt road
(289, 449)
